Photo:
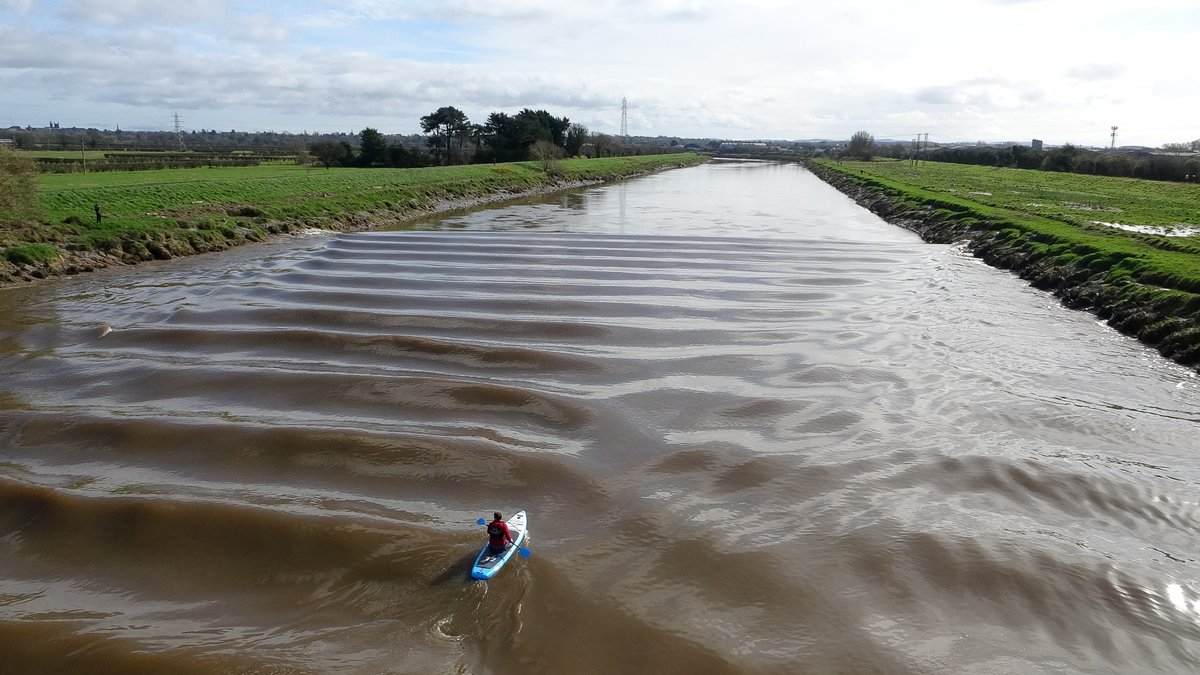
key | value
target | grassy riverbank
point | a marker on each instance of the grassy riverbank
(173, 212)
(1126, 249)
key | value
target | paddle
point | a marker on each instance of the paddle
(525, 553)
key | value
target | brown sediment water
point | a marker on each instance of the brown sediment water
(757, 430)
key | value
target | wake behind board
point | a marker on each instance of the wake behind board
(487, 565)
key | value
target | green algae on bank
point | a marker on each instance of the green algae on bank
(117, 218)
(1143, 283)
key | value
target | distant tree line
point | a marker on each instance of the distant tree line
(1175, 162)
(451, 138)
(1191, 146)
(1073, 159)
(204, 140)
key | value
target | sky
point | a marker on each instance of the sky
(1064, 71)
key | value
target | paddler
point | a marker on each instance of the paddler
(498, 536)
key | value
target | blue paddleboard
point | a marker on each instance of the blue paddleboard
(486, 565)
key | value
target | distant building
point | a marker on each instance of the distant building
(740, 145)
(1037, 144)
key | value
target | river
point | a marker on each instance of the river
(756, 430)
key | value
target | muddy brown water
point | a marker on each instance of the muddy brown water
(757, 430)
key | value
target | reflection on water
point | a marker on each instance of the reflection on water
(756, 429)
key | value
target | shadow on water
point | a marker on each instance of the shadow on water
(458, 571)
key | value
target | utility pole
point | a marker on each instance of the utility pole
(82, 155)
(624, 119)
(178, 133)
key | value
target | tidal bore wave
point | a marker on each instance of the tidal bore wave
(841, 450)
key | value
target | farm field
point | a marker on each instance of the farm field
(171, 212)
(283, 191)
(1122, 226)
(1172, 208)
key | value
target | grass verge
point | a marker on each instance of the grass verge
(146, 215)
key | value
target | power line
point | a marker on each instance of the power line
(918, 147)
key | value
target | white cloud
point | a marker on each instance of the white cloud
(1095, 71)
(16, 6)
(970, 69)
(259, 28)
(113, 12)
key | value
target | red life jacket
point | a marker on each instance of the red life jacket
(498, 534)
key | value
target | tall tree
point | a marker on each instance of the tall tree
(331, 153)
(478, 134)
(543, 126)
(862, 145)
(502, 136)
(373, 148)
(576, 136)
(607, 146)
(511, 136)
(445, 125)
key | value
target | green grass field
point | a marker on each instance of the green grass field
(169, 212)
(1074, 198)
(289, 191)
(1061, 210)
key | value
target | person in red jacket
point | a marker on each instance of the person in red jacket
(498, 536)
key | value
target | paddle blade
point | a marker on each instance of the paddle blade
(481, 521)
(525, 553)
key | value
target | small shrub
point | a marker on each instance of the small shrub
(246, 211)
(20, 201)
(31, 254)
(547, 154)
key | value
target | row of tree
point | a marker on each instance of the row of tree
(451, 138)
(503, 138)
(204, 140)
(1170, 165)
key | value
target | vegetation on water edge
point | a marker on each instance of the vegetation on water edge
(1059, 231)
(31, 254)
(97, 219)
